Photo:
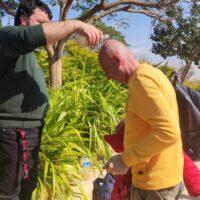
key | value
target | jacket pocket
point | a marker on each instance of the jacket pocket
(145, 167)
(140, 168)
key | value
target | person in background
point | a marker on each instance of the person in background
(152, 140)
(24, 95)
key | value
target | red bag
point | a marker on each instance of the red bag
(122, 186)
(191, 176)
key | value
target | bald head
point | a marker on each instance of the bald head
(113, 47)
(117, 61)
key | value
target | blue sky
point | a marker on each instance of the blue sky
(137, 36)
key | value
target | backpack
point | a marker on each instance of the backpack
(189, 114)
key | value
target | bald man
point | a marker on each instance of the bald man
(152, 141)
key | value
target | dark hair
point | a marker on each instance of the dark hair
(26, 8)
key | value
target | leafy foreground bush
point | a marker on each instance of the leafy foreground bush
(82, 111)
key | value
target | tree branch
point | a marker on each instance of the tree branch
(133, 2)
(164, 3)
(50, 50)
(108, 12)
(121, 5)
(92, 12)
(149, 14)
(129, 9)
(7, 9)
(64, 8)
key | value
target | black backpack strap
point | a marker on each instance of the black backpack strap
(189, 114)
(183, 116)
(182, 106)
(174, 78)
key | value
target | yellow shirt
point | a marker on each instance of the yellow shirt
(152, 141)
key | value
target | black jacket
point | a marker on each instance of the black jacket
(189, 114)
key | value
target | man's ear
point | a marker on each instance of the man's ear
(24, 20)
(118, 60)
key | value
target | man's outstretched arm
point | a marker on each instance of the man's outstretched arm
(17, 40)
(55, 31)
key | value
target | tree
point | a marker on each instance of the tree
(180, 37)
(91, 11)
(8, 7)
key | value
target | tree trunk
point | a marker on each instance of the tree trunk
(55, 72)
(55, 65)
(186, 70)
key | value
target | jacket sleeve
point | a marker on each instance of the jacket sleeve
(151, 105)
(16, 40)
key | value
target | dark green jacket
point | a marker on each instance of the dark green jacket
(23, 91)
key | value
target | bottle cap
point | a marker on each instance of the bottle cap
(86, 164)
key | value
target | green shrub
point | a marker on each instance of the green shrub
(87, 107)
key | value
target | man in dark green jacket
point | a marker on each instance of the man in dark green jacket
(24, 95)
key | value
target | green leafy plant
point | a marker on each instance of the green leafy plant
(85, 109)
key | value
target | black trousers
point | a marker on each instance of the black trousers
(12, 185)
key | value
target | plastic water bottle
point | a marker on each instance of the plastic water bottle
(86, 165)
(82, 41)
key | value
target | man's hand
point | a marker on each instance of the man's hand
(116, 166)
(92, 34)
(56, 31)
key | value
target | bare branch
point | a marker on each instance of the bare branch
(64, 8)
(103, 2)
(60, 46)
(108, 12)
(121, 5)
(164, 3)
(133, 2)
(149, 4)
(131, 10)
(92, 12)
(50, 50)
(149, 14)
(7, 9)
